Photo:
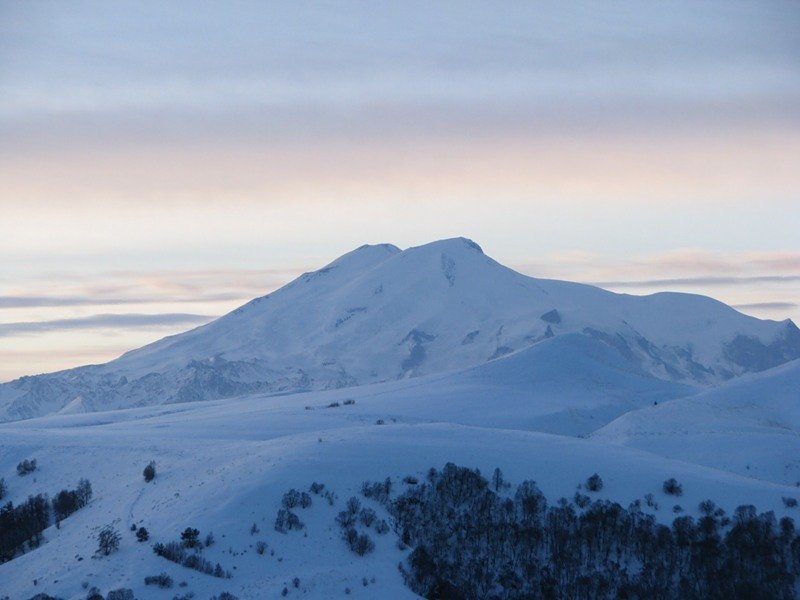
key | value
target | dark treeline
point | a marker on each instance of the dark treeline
(472, 542)
(67, 502)
(21, 526)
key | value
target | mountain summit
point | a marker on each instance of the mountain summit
(378, 313)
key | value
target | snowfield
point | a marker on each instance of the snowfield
(224, 465)
(749, 426)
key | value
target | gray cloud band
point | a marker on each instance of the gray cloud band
(104, 321)
(767, 306)
(54, 301)
(700, 281)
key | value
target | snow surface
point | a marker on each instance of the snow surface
(749, 426)
(382, 314)
(223, 465)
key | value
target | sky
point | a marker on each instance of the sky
(162, 163)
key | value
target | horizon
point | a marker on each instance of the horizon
(161, 165)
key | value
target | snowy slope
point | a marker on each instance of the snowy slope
(380, 314)
(749, 426)
(570, 385)
(223, 465)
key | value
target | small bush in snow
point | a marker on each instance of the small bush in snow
(296, 582)
(294, 498)
(378, 491)
(290, 499)
(790, 502)
(381, 527)
(672, 487)
(287, 520)
(219, 572)
(594, 483)
(142, 535)
(316, 488)
(26, 467)
(198, 563)
(149, 472)
(280, 521)
(162, 580)
(84, 492)
(293, 521)
(120, 594)
(367, 516)
(225, 596)
(94, 594)
(107, 540)
(172, 551)
(345, 519)
(261, 547)
(349, 402)
(3, 488)
(364, 545)
(209, 541)
(190, 538)
(361, 544)
(353, 505)
(410, 480)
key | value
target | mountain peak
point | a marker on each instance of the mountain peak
(455, 245)
(364, 256)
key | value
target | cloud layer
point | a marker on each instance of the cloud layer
(103, 321)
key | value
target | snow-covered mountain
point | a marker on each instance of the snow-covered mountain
(380, 314)
(397, 362)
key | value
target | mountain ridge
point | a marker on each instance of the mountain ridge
(379, 313)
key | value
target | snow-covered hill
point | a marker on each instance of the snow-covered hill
(381, 314)
(223, 465)
(749, 426)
